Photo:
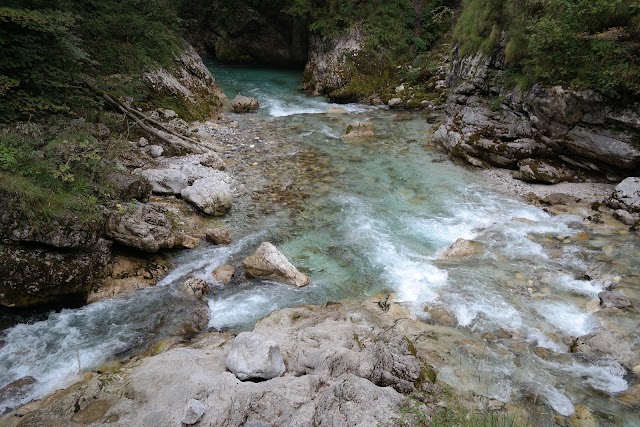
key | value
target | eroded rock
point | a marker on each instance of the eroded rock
(268, 263)
(544, 171)
(462, 248)
(627, 195)
(144, 226)
(363, 129)
(224, 274)
(244, 104)
(211, 196)
(195, 287)
(218, 236)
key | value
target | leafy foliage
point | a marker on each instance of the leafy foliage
(53, 169)
(42, 61)
(586, 43)
(50, 47)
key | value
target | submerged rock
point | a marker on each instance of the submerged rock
(244, 104)
(363, 129)
(212, 196)
(269, 264)
(613, 299)
(610, 343)
(253, 357)
(462, 248)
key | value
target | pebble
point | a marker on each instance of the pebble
(252, 146)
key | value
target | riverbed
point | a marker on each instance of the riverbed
(373, 216)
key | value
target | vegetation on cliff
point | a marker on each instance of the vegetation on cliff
(586, 43)
(57, 143)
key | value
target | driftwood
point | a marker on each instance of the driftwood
(164, 134)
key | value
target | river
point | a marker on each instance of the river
(381, 214)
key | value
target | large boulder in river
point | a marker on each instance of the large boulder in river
(145, 226)
(269, 264)
(165, 181)
(254, 357)
(212, 196)
(244, 104)
(627, 195)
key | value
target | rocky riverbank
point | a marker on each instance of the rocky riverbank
(345, 364)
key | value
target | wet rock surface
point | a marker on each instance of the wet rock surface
(269, 264)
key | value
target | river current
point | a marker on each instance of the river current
(378, 222)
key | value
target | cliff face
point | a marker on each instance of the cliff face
(562, 133)
(47, 260)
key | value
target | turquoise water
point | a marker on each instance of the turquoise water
(379, 221)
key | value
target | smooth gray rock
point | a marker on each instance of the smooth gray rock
(154, 151)
(212, 196)
(627, 195)
(165, 181)
(193, 412)
(394, 102)
(244, 104)
(268, 263)
(254, 357)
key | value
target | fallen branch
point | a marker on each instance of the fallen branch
(173, 138)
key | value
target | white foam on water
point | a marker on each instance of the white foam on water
(55, 350)
(583, 287)
(494, 309)
(244, 308)
(557, 400)
(567, 318)
(536, 336)
(201, 261)
(409, 274)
